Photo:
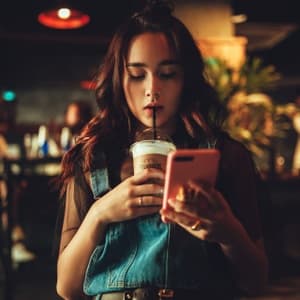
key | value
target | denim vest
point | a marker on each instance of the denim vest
(145, 252)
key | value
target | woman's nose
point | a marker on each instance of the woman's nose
(152, 95)
(152, 92)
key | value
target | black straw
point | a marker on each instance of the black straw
(154, 122)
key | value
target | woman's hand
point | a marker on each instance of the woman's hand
(136, 196)
(203, 212)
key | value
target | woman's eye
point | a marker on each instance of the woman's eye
(136, 77)
(167, 75)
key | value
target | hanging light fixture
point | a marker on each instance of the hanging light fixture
(63, 17)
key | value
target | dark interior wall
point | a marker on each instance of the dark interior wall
(46, 77)
(44, 104)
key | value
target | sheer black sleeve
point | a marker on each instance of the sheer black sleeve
(239, 181)
(73, 207)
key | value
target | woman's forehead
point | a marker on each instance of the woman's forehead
(149, 46)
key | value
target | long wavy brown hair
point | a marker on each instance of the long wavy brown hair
(114, 126)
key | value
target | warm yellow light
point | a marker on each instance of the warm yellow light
(237, 19)
(230, 49)
(64, 13)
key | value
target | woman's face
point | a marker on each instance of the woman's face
(72, 116)
(152, 77)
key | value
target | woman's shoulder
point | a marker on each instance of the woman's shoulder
(80, 154)
(228, 144)
(234, 154)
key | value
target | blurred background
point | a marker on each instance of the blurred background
(251, 49)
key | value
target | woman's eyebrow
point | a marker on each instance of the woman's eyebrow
(166, 62)
(135, 64)
(169, 62)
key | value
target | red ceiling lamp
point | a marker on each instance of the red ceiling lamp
(88, 84)
(63, 17)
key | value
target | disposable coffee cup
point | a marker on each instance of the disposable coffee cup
(150, 154)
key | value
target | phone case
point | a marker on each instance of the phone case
(186, 164)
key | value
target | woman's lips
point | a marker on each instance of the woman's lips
(149, 109)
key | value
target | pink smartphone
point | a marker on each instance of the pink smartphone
(189, 164)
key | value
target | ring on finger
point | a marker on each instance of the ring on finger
(141, 201)
(196, 226)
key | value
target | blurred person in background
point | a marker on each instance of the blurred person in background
(77, 115)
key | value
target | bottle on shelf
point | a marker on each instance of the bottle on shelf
(43, 146)
(65, 139)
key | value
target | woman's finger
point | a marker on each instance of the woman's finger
(204, 191)
(147, 200)
(148, 175)
(194, 210)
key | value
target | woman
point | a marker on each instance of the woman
(114, 246)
